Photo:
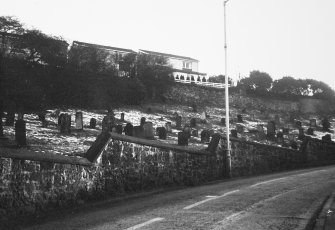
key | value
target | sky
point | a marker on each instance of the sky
(281, 37)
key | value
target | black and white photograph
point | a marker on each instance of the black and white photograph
(158, 115)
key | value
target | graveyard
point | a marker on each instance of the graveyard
(175, 124)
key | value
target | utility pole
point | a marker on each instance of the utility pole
(228, 150)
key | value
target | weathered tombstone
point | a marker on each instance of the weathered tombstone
(178, 122)
(325, 124)
(143, 120)
(79, 121)
(252, 117)
(205, 136)
(239, 118)
(20, 133)
(312, 122)
(277, 119)
(20, 115)
(168, 127)
(310, 131)
(105, 124)
(93, 123)
(194, 107)
(128, 129)
(68, 123)
(187, 130)
(233, 133)
(122, 117)
(119, 129)
(138, 131)
(223, 121)
(271, 129)
(301, 135)
(182, 138)
(260, 128)
(60, 117)
(62, 123)
(211, 132)
(194, 133)
(298, 124)
(240, 128)
(161, 132)
(148, 130)
(193, 122)
(213, 144)
(327, 137)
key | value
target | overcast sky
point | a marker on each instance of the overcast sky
(281, 37)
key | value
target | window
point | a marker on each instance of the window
(187, 65)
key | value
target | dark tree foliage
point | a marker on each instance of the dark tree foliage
(257, 81)
(220, 79)
(288, 85)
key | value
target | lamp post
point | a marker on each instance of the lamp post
(228, 150)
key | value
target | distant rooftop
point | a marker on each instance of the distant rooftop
(103, 47)
(168, 55)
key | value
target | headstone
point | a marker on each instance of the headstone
(239, 118)
(205, 136)
(194, 133)
(143, 120)
(194, 108)
(271, 129)
(20, 133)
(20, 115)
(310, 131)
(62, 123)
(223, 121)
(128, 129)
(260, 128)
(213, 144)
(148, 130)
(301, 135)
(298, 124)
(68, 124)
(182, 138)
(122, 117)
(119, 129)
(178, 122)
(187, 130)
(105, 124)
(168, 127)
(161, 132)
(312, 122)
(233, 133)
(327, 137)
(93, 123)
(79, 121)
(240, 128)
(211, 132)
(193, 122)
(277, 119)
(138, 131)
(325, 124)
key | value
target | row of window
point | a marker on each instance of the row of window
(188, 78)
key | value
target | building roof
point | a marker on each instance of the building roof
(103, 47)
(168, 55)
(188, 71)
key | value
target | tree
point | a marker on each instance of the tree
(288, 85)
(257, 81)
(220, 79)
(320, 89)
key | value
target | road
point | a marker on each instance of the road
(278, 201)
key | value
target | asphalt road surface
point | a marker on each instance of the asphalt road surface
(278, 201)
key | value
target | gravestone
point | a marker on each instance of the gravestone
(327, 137)
(271, 129)
(310, 131)
(205, 136)
(240, 128)
(119, 129)
(211, 132)
(68, 124)
(128, 129)
(20, 133)
(301, 135)
(142, 122)
(223, 121)
(277, 120)
(194, 133)
(312, 122)
(193, 122)
(138, 131)
(20, 115)
(203, 115)
(194, 108)
(178, 122)
(168, 127)
(79, 121)
(260, 128)
(187, 130)
(182, 139)
(298, 124)
(213, 144)
(148, 130)
(239, 118)
(325, 124)
(93, 123)
(105, 124)
(122, 117)
(62, 123)
(233, 133)
(161, 132)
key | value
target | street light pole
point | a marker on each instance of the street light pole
(228, 150)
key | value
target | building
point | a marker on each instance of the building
(184, 68)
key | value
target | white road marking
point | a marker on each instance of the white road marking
(209, 199)
(268, 181)
(211, 196)
(145, 223)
